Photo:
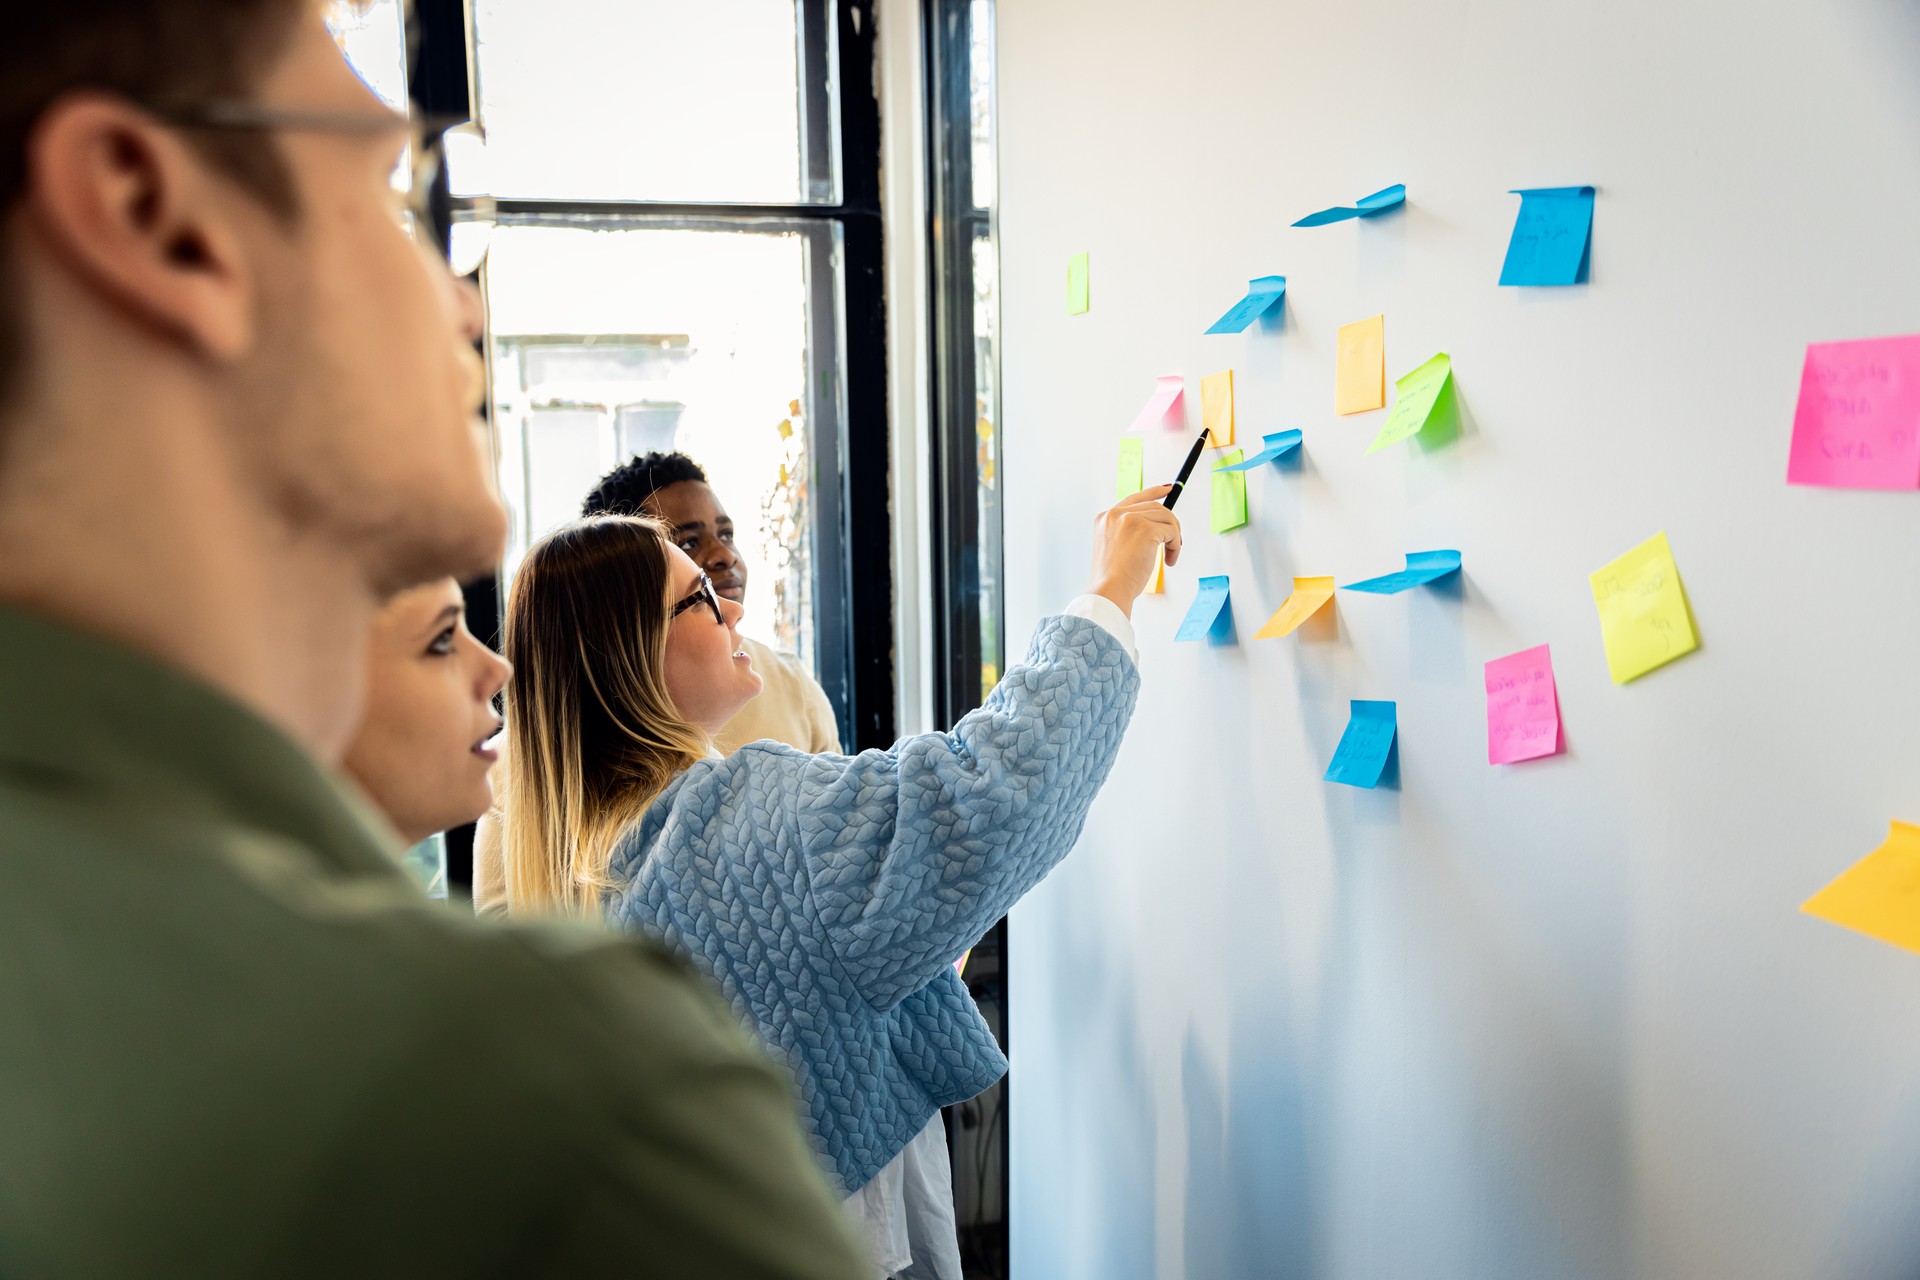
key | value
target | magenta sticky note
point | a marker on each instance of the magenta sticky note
(1168, 391)
(1858, 422)
(1523, 709)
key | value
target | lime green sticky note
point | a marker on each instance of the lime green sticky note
(1421, 399)
(1077, 285)
(1132, 469)
(1644, 619)
(1229, 494)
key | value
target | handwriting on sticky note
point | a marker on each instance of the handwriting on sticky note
(1422, 568)
(1366, 746)
(1229, 495)
(1274, 447)
(1857, 425)
(1523, 707)
(1552, 237)
(1421, 398)
(1210, 616)
(1360, 366)
(1309, 594)
(1365, 207)
(1132, 477)
(1265, 297)
(1216, 408)
(1168, 391)
(1644, 619)
(1880, 894)
(1077, 284)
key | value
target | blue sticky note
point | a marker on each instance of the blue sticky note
(1264, 296)
(1366, 207)
(1422, 567)
(1552, 237)
(1276, 446)
(1209, 614)
(1361, 757)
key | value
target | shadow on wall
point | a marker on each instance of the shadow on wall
(1088, 1132)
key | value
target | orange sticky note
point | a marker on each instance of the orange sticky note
(1360, 366)
(1216, 408)
(1159, 586)
(1880, 894)
(1308, 595)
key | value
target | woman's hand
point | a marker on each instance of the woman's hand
(1126, 541)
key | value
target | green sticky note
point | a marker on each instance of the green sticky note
(1132, 468)
(1229, 494)
(1421, 399)
(1077, 285)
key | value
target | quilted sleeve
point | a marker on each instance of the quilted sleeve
(911, 854)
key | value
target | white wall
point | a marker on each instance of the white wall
(1558, 1020)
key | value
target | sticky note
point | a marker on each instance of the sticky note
(1523, 707)
(1551, 237)
(1308, 595)
(1422, 567)
(1077, 284)
(1229, 496)
(1644, 618)
(1365, 207)
(1209, 616)
(1216, 408)
(1275, 447)
(1361, 757)
(1265, 296)
(1132, 469)
(1360, 366)
(1159, 584)
(1880, 894)
(1167, 392)
(1421, 398)
(1857, 425)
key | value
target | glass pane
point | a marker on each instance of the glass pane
(373, 37)
(607, 343)
(980, 99)
(644, 99)
(986, 372)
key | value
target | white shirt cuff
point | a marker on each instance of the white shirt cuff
(1105, 614)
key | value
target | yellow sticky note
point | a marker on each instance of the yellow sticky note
(1159, 586)
(1644, 619)
(1308, 595)
(1216, 408)
(1360, 367)
(1880, 894)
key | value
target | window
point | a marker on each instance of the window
(969, 631)
(687, 256)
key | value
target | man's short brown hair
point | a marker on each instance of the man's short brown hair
(158, 53)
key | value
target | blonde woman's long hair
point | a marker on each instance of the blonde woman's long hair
(594, 736)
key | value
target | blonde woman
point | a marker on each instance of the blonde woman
(827, 895)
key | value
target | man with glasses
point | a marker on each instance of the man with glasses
(236, 414)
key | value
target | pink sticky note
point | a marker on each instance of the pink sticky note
(1523, 710)
(1858, 422)
(1166, 394)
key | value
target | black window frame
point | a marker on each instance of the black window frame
(846, 403)
(962, 610)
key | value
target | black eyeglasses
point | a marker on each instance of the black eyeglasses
(702, 594)
(461, 226)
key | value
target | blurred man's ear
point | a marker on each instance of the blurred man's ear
(127, 206)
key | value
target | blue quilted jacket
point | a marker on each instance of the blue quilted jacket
(830, 895)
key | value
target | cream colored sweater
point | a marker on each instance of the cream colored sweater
(791, 708)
